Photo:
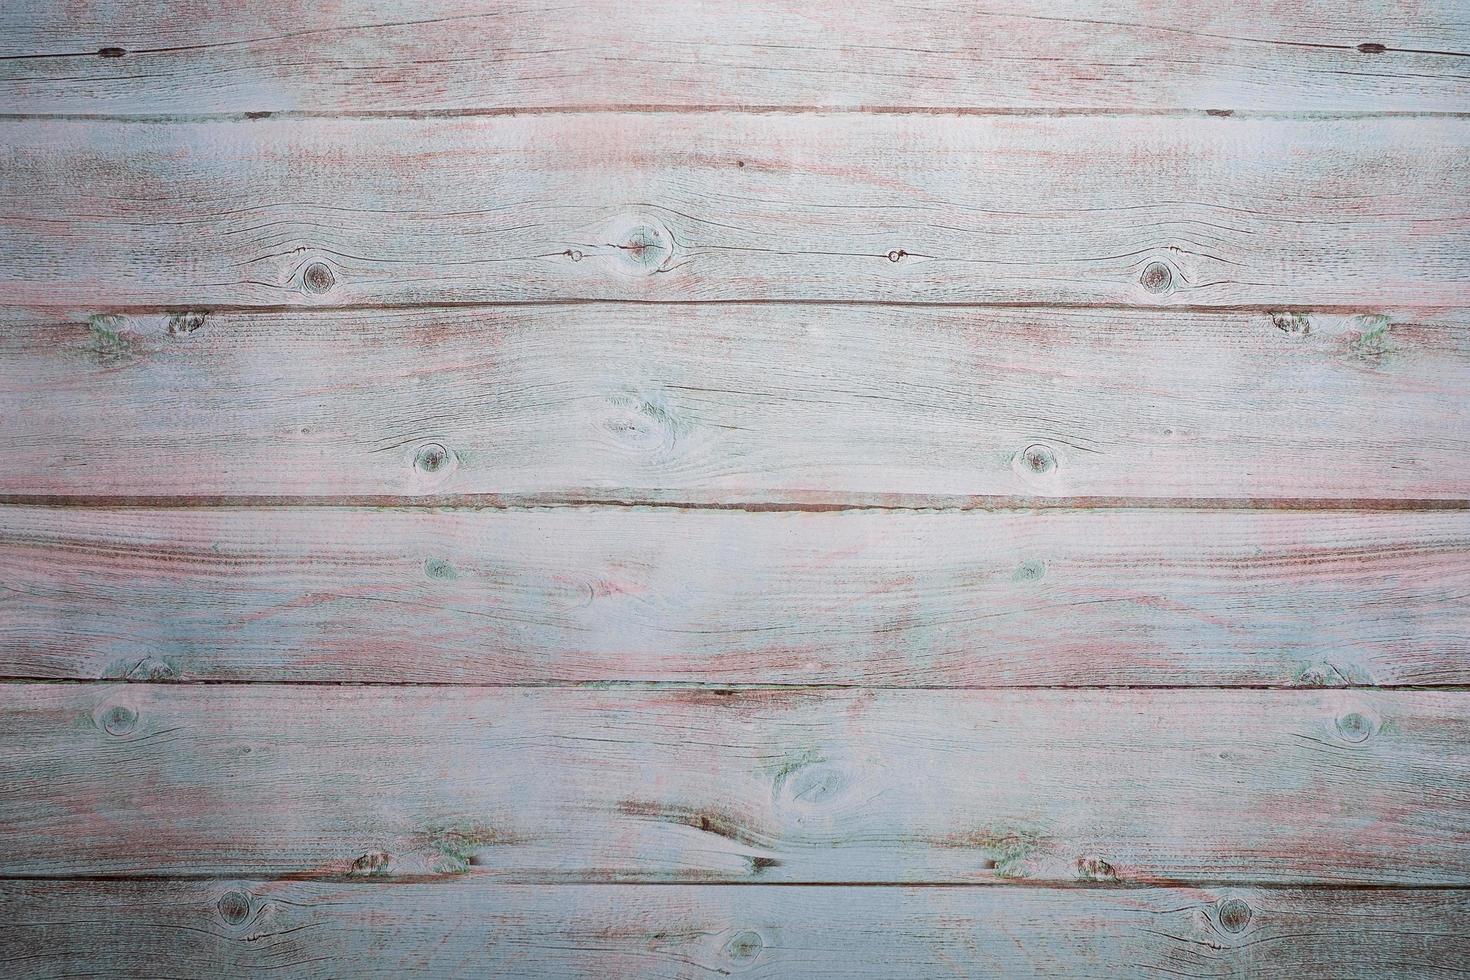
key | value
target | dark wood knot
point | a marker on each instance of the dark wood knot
(234, 907)
(1234, 915)
(1157, 277)
(119, 720)
(318, 278)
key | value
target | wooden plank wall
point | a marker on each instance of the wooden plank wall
(684, 490)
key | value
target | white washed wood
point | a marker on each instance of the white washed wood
(575, 595)
(471, 928)
(386, 55)
(747, 403)
(697, 785)
(663, 206)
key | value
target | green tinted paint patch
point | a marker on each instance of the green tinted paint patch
(790, 764)
(453, 848)
(143, 669)
(1372, 340)
(1009, 849)
(111, 341)
(1029, 571)
(440, 568)
(1324, 673)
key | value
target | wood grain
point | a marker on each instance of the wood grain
(739, 403)
(471, 928)
(583, 595)
(152, 56)
(699, 785)
(1143, 211)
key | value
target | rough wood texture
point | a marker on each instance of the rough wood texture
(1128, 210)
(166, 56)
(699, 785)
(471, 928)
(929, 599)
(748, 403)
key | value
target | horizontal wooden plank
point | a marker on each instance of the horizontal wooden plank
(471, 928)
(699, 785)
(148, 56)
(583, 595)
(738, 403)
(1141, 210)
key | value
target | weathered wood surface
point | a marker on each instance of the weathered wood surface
(700, 785)
(1153, 597)
(665, 206)
(471, 928)
(152, 56)
(738, 403)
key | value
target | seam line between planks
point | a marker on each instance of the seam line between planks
(1053, 885)
(714, 687)
(1218, 112)
(144, 309)
(917, 503)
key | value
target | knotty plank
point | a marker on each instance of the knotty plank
(738, 403)
(1139, 210)
(700, 785)
(1154, 597)
(150, 56)
(471, 928)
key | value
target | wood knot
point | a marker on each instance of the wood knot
(146, 669)
(234, 907)
(1354, 727)
(644, 248)
(1234, 915)
(745, 945)
(575, 254)
(371, 863)
(1037, 460)
(1093, 868)
(111, 52)
(1157, 277)
(1372, 47)
(811, 785)
(1293, 324)
(180, 324)
(318, 278)
(433, 459)
(897, 255)
(645, 420)
(119, 720)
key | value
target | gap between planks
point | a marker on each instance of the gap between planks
(1020, 884)
(595, 500)
(613, 108)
